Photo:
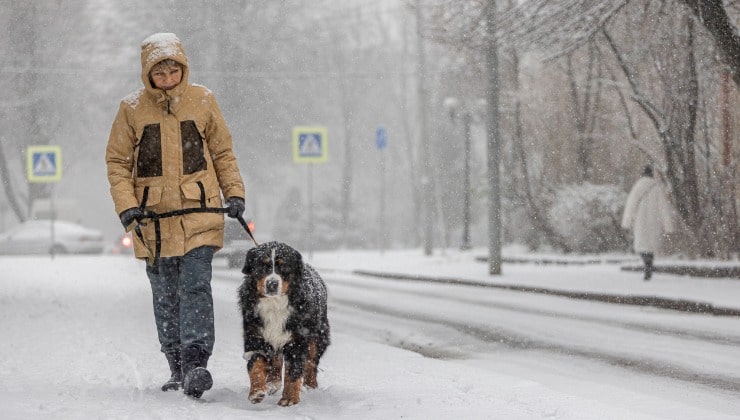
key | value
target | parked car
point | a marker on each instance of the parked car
(34, 237)
(236, 242)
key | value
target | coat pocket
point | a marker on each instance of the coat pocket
(201, 194)
(149, 196)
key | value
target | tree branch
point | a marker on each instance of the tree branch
(713, 15)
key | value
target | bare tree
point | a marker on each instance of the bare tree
(557, 27)
(674, 117)
(655, 56)
(10, 193)
(531, 191)
(585, 108)
(713, 14)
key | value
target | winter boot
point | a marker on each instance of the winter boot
(175, 381)
(196, 379)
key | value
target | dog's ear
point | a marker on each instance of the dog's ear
(247, 269)
(298, 263)
(298, 256)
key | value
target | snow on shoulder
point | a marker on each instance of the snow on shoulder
(207, 91)
(132, 99)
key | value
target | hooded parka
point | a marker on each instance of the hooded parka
(648, 213)
(171, 150)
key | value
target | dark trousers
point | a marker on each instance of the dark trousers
(183, 304)
(647, 258)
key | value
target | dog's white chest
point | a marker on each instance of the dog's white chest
(274, 312)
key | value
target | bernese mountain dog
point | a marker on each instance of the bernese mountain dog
(283, 306)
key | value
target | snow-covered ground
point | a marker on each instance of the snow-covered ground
(583, 274)
(79, 342)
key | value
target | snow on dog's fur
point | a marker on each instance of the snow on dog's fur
(283, 306)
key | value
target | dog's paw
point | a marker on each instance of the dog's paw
(256, 397)
(287, 402)
(291, 393)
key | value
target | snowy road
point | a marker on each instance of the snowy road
(467, 323)
(79, 343)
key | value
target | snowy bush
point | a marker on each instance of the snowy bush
(588, 217)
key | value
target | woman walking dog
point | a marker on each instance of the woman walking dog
(170, 149)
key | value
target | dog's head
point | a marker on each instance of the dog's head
(273, 266)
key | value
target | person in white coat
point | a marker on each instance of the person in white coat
(648, 213)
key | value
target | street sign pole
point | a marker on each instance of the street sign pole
(310, 146)
(309, 243)
(53, 217)
(381, 142)
(382, 203)
(44, 164)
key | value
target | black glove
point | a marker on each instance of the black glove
(236, 206)
(131, 215)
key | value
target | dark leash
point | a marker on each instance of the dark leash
(156, 217)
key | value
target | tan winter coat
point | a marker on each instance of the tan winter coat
(170, 150)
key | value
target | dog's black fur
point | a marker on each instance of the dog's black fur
(273, 272)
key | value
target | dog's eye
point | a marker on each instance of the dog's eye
(283, 265)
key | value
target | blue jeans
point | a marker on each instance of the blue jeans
(183, 304)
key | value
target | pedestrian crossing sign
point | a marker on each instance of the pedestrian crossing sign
(310, 145)
(44, 163)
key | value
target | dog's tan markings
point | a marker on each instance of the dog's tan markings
(275, 374)
(291, 392)
(261, 286)
(257, 380)
(284, 288)
(309, 369)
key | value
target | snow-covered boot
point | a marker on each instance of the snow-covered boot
(196, 378)
(175, 381)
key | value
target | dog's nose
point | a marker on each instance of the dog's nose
(272, 284)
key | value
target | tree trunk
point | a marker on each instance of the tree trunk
(8, 186)
(712, 14)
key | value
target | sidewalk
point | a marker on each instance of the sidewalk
(608, 278)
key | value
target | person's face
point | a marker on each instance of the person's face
(166, 77)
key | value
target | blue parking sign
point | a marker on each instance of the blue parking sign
(381, 138)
